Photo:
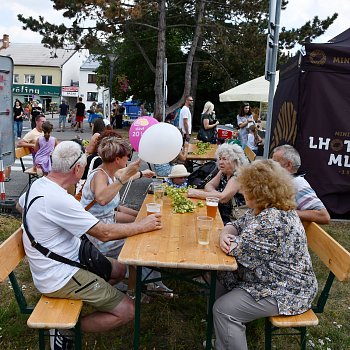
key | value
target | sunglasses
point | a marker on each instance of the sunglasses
(75, 162)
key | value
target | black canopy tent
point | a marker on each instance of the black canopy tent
(311, 111)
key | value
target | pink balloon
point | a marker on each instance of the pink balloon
(138, 127)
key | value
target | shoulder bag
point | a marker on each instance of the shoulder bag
(204, 134)
(90, 257)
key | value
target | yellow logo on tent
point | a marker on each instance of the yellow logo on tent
(285, 130)
(318, 57)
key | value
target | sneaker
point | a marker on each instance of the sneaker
(212, 344)
(160, 287)
(60, 342)
(81, 130)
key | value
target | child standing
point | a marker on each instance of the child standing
(254, 140)
(43, 150)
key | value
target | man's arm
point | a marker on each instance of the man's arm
(24, 143)
(320, 216)
(109, 232)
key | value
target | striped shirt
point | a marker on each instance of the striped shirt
(306, 197)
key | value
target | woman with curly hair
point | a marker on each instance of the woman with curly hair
(224, 185)
(275, 274)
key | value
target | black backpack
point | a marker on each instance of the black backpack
(203, 174)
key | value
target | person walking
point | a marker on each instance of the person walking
(36, 110)
(18, 119)
(185, 122)
(63, 110)
(79, 115)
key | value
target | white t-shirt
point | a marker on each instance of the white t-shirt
(185, 114)
(32, 135)
(56, 221)
(251, 142)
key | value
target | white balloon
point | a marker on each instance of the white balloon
(160, 143)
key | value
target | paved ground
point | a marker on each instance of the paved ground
(19, 181)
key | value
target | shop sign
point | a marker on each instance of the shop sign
(42, 90)
(70, 91)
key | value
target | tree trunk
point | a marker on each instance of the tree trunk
(158, 84)
(190, 57)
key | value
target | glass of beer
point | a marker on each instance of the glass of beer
(204, 225)
(212, 206)
(153, 208)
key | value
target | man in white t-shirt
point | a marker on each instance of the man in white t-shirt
(57, 221)
(185, 121)
(309, 206)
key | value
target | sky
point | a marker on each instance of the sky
(297, 13)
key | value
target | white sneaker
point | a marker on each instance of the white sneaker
(212, 344)
(59, 341)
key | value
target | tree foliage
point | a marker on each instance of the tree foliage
(210, 45)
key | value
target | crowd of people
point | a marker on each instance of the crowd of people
(275, 274)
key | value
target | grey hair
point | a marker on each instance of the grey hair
(233, 153)
(208, 108)
(64, 156)
(289, 153)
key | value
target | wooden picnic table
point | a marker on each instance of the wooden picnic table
(209, 155)
(175, 246)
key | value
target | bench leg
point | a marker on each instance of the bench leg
(77, 336)
(303, 338)
(42, 339)
(268, 334)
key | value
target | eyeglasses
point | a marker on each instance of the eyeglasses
(75, 162)
(190, 100)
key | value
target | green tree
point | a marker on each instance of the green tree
(210, 45)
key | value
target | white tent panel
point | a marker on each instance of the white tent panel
(253, 90)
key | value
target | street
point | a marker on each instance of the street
(19, 180)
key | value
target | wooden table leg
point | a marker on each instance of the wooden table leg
(210, 309)
(137, 308)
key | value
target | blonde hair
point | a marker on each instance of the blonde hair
(110, 146)
(208, 108)
(268, 184)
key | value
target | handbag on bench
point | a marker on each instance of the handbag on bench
(90, 257)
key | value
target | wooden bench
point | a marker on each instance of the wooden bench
(249, 153)
(48, 313)
(31, 172)
(337, 260)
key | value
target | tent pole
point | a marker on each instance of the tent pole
(271, 73)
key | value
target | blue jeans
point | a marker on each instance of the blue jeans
(18, 127)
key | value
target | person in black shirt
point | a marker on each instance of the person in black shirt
(36, 110)
(80, 114)
(64, 108)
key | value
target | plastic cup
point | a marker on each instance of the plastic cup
(153, 208)
(204, 226)
(212, 206)
(155, 183)
(158, 194)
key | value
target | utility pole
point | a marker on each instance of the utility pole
(270, 64)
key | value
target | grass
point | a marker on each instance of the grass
(178, 323)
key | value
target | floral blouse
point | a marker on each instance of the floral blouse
(273, 260)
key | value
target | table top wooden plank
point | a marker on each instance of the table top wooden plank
(175, 245)
(209, 155)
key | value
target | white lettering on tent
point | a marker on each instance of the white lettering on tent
(322, 143)
(311, 142)
(338, 160)
(347, 142)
